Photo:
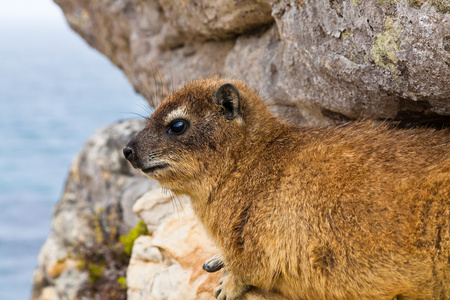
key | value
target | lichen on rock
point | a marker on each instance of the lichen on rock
(387, 44)
(442, 6)
(446, 43)
(385, 2)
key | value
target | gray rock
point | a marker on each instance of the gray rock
(69, 283)
(316, 62)
(95, 207)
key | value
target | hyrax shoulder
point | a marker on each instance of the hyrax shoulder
(358, 211)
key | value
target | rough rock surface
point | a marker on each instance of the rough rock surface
(314, 61)
(95, 207)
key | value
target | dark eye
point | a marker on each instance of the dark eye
(178, 127)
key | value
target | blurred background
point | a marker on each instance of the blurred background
(55, 92)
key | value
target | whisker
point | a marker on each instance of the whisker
(271, 95)
(168, 192)
(148, 109)
(161, 84)
(171, 78)
(155, 85)
(175, 199)
(139, 115)
(147, 92)
(172, 197)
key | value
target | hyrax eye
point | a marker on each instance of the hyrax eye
(177, 127)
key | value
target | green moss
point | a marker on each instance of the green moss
(122, 281)
(387, 44)
(128, 240)
(106, 260)
(95, 272)
(356, 2)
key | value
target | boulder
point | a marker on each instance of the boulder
(94, 210)
(315, 62)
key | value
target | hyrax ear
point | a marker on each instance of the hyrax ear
(227, 96)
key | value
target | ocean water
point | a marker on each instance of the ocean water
(55, 92)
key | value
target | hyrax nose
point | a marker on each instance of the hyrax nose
(128, 152)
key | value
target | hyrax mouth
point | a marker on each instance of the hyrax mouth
(153, 168)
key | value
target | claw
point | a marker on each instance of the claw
(230, 288)
(217, 292)
(213, 264)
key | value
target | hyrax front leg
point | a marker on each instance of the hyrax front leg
(230, 288)
(213, 264)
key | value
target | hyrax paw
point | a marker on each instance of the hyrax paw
(230, 289)
(213, 264)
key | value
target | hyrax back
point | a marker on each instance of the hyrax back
(358, 211)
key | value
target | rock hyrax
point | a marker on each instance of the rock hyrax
(358, 211)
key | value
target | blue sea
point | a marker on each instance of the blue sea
(55, 92)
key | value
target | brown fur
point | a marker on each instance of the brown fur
(358, 211)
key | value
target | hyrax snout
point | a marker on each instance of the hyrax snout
(358, 211)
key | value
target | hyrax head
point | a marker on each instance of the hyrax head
(190, 135)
